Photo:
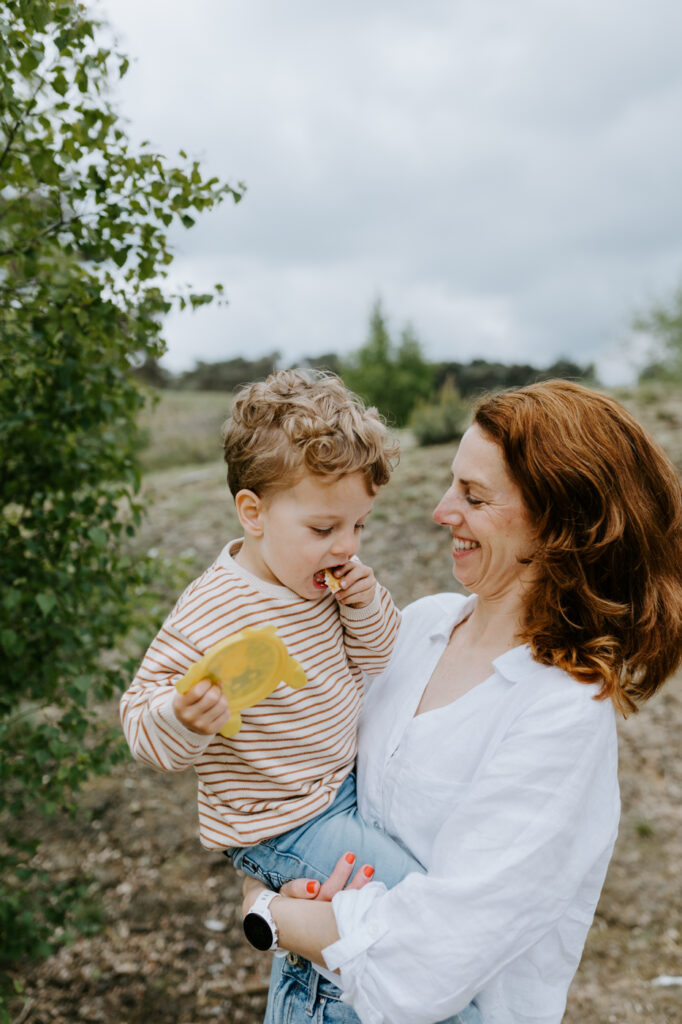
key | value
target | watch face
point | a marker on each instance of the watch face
(258, 931)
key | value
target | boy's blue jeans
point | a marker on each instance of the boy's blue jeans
(312, 849)
(298, 994)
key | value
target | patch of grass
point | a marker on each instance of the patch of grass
(182, 428)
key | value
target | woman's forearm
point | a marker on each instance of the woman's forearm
(305, 927)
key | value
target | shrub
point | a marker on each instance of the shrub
(392, 378)
(83, 256)
(442, 420)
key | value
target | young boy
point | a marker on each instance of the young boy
(305, 461)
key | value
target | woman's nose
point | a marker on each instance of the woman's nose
(446, 511)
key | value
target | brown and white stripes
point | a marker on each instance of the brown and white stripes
(294, 748)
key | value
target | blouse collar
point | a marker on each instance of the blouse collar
(446, 622)
(514, 665)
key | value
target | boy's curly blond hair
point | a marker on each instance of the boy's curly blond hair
(303, 420)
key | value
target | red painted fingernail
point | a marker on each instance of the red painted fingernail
(350, 857)
(312, 886)
(368, 871)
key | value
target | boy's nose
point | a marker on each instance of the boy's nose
(345, 546)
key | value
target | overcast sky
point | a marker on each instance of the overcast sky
(504, 175)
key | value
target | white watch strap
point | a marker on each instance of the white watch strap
(262, 902)
(261, 906)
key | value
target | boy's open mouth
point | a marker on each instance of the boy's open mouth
(325, 579)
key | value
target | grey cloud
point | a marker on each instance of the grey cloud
(505, 175)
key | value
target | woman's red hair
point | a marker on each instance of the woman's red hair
(607, 505)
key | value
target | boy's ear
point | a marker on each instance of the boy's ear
(249, 509)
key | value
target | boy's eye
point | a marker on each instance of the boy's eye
(321, 531)
(359, 526)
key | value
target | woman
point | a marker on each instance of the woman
(488, 747)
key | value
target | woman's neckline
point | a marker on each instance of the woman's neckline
(455, 633)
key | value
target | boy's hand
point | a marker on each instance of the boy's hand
(203, 709)
(358, 584)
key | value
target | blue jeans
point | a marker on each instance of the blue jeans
(312, 849)
(299, 995)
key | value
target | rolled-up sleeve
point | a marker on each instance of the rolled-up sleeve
(534, 830)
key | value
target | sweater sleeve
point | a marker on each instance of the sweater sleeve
(534, 829)
(370, 633)
(155, 735)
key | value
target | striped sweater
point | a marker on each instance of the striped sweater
(296, 746)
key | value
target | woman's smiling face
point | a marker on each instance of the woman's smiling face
(489, 523)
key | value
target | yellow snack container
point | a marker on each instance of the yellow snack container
(248, 666)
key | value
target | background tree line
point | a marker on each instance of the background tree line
(398, 376)
(395, 376)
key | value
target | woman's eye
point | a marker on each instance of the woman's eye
(474, 502)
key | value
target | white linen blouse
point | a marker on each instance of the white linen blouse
(509, 797)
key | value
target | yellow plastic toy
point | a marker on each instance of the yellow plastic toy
(248, 665)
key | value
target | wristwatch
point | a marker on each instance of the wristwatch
(259, 925)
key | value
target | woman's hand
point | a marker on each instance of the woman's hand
(306, 889)
(309, 889)
(302, 911)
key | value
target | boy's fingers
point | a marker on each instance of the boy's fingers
(215, 709)
(204, 708)
(210, 697)
(357, 582)
(214, 723)
(358, 594)
(199, 690)
(338, 878)
(352, 571)
(301, 889)
(214, 696)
